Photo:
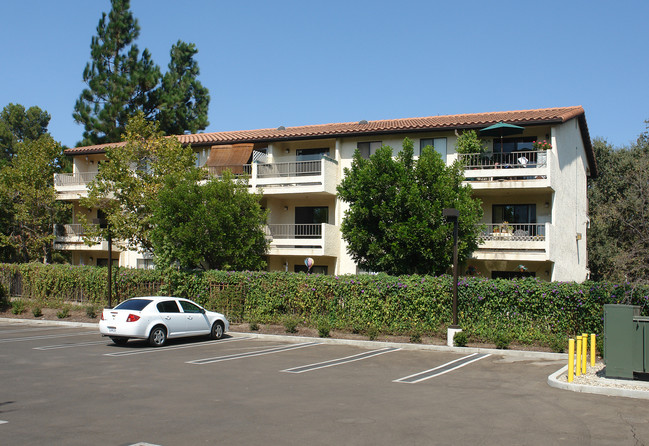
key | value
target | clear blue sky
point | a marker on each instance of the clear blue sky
(272, 63)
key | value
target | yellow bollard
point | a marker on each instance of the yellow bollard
(578, 368)
(584, 353)
(592, 350)
(571, 360)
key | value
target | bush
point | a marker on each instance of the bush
(91, 311)
(324, 328)
(17, 306)
(460, 339)
(372, 333)
(254, 325)
(36, 311)
(502, 341)
(63, 313)
(291, 323)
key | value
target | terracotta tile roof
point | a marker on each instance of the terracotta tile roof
(474, 120)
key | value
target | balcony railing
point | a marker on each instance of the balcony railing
(304, 231)
(237, 170)
(291, 169)
(73, 179)
(527, 159)
(69, 230)
(514, 232)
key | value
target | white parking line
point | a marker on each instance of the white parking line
(79, 344)
(174, 347)
(22, 330)
(268, 351)
(63, 335)
(3, 422)
(442, 369)
(340, 361)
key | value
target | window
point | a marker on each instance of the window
(311, 154)
(145, 264)
(189, 307)
(168, 306)
(315, 269)
(513, 213)
(514, 144)
(308, 220)
(369, 148)
(439, 144)
(511, 274)
(133, 304)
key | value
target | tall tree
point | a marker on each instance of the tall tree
(215, 225)
(18, 124)
(29, 199)
(618, 239)
(127, 186)
(183, 101)
(120, 82)
(394, 223)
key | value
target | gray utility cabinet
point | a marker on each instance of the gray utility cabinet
(626, 341)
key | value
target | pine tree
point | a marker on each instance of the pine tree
(183, 100)
(120, 82)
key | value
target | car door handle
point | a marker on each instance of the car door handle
(168, 318)
(189, 317)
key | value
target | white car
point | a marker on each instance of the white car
(158, 318)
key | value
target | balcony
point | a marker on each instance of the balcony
(528, 169)
(514, 241)
(314, 239)
(69, 237)
(72, 185)
(315, 177)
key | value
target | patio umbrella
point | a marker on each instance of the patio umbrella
(502, 129)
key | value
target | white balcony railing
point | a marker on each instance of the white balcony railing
(514, 232)
(73, 179)
(297, 231)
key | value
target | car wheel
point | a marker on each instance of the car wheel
(119, 341)
(158, 336)
(217, 330)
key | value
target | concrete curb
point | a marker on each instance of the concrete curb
(48, 322)
(553, 381)
(358, 343)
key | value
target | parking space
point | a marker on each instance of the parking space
(71, 386)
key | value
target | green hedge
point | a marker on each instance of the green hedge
(525, 310)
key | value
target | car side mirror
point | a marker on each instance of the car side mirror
(202, 310)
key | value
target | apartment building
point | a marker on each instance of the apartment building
(534, 201)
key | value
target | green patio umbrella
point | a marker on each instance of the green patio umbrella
(502, 129)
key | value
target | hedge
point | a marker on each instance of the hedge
(526, 310)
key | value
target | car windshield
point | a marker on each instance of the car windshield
(133, 304)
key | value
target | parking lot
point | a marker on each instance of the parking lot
(69, 386)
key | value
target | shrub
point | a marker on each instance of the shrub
(291, 323)
(91, 312)
(254, 325)
(17, 306)
(63, 313)
(502, 341)
(558, 343)
(324, 328)
(372, 332)
(460, 339)
(36, 311)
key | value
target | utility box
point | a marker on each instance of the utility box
(621, 334)
(641, 362)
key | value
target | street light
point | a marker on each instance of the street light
(452, 215)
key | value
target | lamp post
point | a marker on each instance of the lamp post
(452, 215)
(103, 224)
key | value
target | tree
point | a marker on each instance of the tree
(30, 208)
(126, 187)
(216, 225)
(183, 100)
(394, 223)
(120, 82)
(618, 239)
(18, 125)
